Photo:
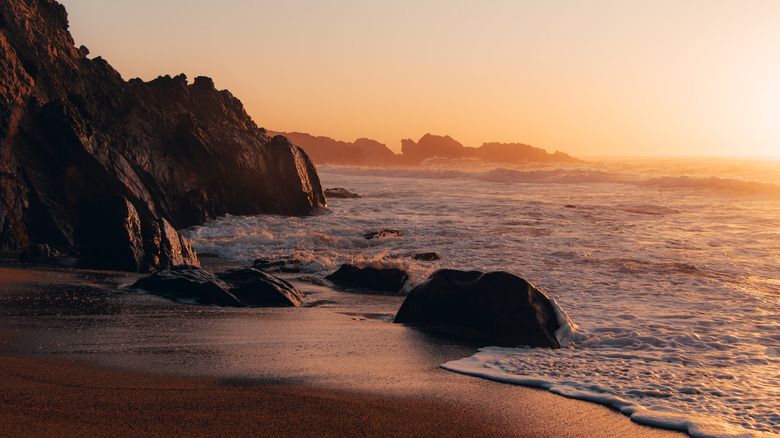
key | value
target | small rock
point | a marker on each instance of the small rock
(382, 280)
(426, 256)
(340, 192)
(385, 232)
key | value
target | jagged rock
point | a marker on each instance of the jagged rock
(340, 192)
(255, 288)
(385, 232)
(382, 280)
(189, 283)
(233, 288)
(494, 308)
(165, 247)
(74, 132)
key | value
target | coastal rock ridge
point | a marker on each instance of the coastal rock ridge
(74, 134)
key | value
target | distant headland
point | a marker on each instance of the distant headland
(367, 152)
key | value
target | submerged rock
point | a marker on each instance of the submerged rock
(285, 264)
(340, 192)
(426, 256)
(234, 288)
(381, 280)
(494, 308)
(385, 232)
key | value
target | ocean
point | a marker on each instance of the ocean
(665, 270)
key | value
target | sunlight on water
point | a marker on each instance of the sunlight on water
(667, 267)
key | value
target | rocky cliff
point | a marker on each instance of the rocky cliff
(361, 152)
(74, 133)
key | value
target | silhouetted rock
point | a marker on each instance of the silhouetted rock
(75, 133)
(362, 152)
(426, 256)
(385, 232)
(189, 283)
(382, 280)
(433, 146)
(494, 308)
(446, 147)
(340, 192)
(255, 288)
(234, 288)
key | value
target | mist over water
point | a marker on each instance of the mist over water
(668, 269)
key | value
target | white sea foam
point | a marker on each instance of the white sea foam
(664, 273)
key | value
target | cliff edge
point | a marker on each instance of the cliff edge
(74, 133)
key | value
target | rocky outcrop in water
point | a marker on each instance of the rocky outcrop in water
(386, 280)
(494, 308)
(74, 133)
(361, 152)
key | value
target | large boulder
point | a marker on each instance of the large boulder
(388, 280)
(74, 132)
(234, 288)
(494, 308)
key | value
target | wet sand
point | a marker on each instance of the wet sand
(108, 362)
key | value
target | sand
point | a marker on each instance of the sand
(137, 365)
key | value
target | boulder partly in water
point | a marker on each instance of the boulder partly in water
(388, 280)
(494, 308)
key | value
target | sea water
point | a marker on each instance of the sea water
(665, 271)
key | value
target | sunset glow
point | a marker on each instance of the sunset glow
(587, 78)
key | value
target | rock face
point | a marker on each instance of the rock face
(390, 280)
(74, 133)
(494, 308)
(232, 288)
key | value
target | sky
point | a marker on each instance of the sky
(589, 78)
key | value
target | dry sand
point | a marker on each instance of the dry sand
(306, 372)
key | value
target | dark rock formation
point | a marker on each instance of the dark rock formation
(385, 232)
(285, 264)
(74, 133)
(446, 147)
(234, 288)
(494, 308)
(255, 288)
(432, 146)
(340, 192)
(381, 280)
(426, 256)
(189, 283)
(362, 152)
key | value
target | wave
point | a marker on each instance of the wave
(575, 174)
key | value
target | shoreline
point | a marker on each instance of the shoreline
(322, 367)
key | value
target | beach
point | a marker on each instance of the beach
(325, 373)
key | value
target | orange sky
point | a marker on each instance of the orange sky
(596, 77)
